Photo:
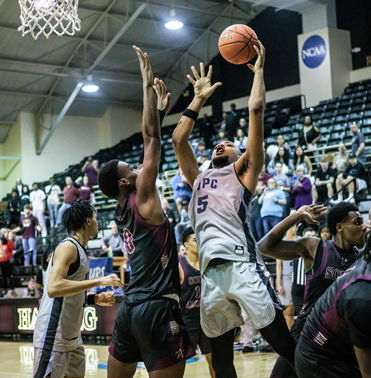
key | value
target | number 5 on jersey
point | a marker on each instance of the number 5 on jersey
(202, 203)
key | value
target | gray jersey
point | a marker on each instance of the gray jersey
(287, 270)
(59, 320)
(218, 213)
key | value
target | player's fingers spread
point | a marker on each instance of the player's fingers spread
(190, 79)
(210, 72)
(251, 67)
(216, 85)
(195, 73)
(202, 69)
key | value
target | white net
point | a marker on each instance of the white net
(49, 16)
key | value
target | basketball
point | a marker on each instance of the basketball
(236, 44)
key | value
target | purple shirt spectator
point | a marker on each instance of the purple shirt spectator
(303, 193)
(28, 224)
(85, 192)
(71, 194)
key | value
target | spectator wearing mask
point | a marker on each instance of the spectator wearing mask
(182, 190)
(302, 190)
(28, 225)
(207, 131)
(71, 194)
(283, 157)
(354, 179)
(18, 186)
(272, 200)
(358, 144)
(309, 135)
(25, 197)
(87, 190)
(322, 190)
(183, 222)
(284, 183)
(113, 242)
(168, 212)
(6, 261)
(240, 139)
(273, 148)
(91, 169)
(340, 162)
(53, 192)
(301, 159)
(38, 201)
(18, 249)
(14, 209)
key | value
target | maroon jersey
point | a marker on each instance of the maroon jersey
(152, 255)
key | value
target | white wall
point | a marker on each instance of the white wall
(360, 74)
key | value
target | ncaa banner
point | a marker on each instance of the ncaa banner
(314, 51)
(99, 268)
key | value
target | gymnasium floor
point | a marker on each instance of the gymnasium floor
(17, 362)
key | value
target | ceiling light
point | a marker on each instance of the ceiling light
(356, 50)
(173, 25)
(90, 88)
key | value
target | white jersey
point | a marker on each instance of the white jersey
(59, 320)
(218, 213)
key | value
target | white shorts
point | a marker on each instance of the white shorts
(59, 364)
(362, 184)
(286, 299)
(227, 288)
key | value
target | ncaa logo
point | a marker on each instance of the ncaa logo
(313, 52)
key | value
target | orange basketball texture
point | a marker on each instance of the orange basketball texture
(236, 44)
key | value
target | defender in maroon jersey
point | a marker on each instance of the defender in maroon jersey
(149, 325)
(324, 261)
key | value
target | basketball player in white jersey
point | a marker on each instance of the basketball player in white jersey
(59, 350)
(231, 277)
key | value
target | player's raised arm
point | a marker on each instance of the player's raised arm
(250, 164)
(273, 246)
(183, 150)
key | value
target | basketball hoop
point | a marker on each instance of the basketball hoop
(49, 16)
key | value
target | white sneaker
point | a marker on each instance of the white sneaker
(349, 199)
(335, 202)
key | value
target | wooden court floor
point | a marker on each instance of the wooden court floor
(17, 362)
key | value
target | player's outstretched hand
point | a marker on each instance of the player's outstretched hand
(163, 97)
(110, 280)
(202, 85)
(145, 67)
(259, 64)
(312, 213)
(105, 299)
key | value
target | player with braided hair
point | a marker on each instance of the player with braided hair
(59, 350)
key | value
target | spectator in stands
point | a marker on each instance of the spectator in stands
(355, 173)
(200, 150)
(18, 186)
(183, 222)
(284, 183)
(220, 138)
(91, 169)
(263, 178)
(340, 162)
(302, 190)
(14, 209)
(31, 289)
(28, 224)
(358, 144)
(324, 233)
(38, 201)
(243, 124)
(207, 131)
(87, 191)
(53, 192)
(168, 212)
(182, 251)
(205, 162)
(323, 189)
(301, 159)
(6, 261)
(273, 201)
(282, 157)
(273, 148)
(223, 123)
(18, 250)
(240, 139)
(231, 122)
(71, 194)
(309, 135)
(182, 190)
(256, 222)
(25, 197)
(113, 242)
